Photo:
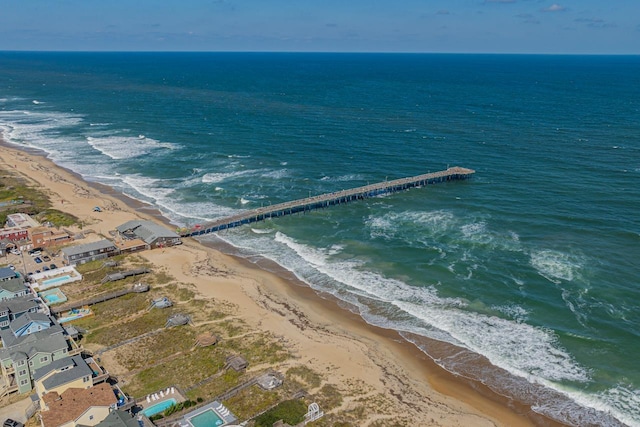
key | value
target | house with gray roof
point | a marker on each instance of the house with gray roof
(61, 374)
(7, 274)
(80, 254)
(119, 418)
(22, 355)
(152, 234)
(30, 323)
(13, 308)
(12, 288)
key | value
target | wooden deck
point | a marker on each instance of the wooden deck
(331, 199)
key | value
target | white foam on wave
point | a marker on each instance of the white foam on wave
(514, 311)
(616, 405)
(557, 266)
(161, 193)
(276, 174)
(37, 129)
(343, 178)
(522, 349)
(392, 225)
(125, 147)
(36, 102)
(217, 177)
(262, 231)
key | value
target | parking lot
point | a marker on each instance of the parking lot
(26, 263)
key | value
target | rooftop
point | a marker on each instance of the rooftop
(72, 403)
(68, 369)
(148, 231)
(19, 220)
(88, 247)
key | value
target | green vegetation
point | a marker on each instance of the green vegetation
(290, 411)
(177, 407)
(252, 401)
(308, 376)
(56, 217)
(329, 397)
(17, 196)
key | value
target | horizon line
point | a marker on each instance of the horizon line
(322, 52)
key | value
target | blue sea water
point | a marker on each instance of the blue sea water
(532, 264)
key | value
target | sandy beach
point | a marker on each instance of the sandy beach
(316, 329)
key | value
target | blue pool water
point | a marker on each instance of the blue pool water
(159, 407)
(52, 298)
(56, 280)
(207, 418)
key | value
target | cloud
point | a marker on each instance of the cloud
(554, 8)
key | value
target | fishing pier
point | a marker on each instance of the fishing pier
(330, 199)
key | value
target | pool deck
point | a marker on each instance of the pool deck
(216, 407)
(144, 404)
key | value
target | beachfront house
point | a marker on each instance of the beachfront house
(43, 237)
(21, 220)
(14, 234)
(28, 345)
(78, 406)
(60, 375)
(152, 234)
(12, 288)
(7, 274)
(13, 308)
(80, 254)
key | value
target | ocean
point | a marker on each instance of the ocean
(532, 265)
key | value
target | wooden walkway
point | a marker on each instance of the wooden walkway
(330, 199)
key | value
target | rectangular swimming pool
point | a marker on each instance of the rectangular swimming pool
(207, 418)
(159, 407)
(50, 282)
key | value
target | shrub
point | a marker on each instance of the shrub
(290, 411)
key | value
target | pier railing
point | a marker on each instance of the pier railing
(330, 199)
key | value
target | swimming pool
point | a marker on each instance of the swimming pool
(51, 298)
(159, 407)
(57, 280)
(207, 418)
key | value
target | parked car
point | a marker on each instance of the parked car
(37, 271)
(38, 260)
(45, 268)
(53, 266)
(12, 423)
(15, 251)
(35, 251)
(12, 267)
(46, 258)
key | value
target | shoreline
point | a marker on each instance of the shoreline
(408, 374)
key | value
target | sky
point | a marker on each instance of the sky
(456, 26)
